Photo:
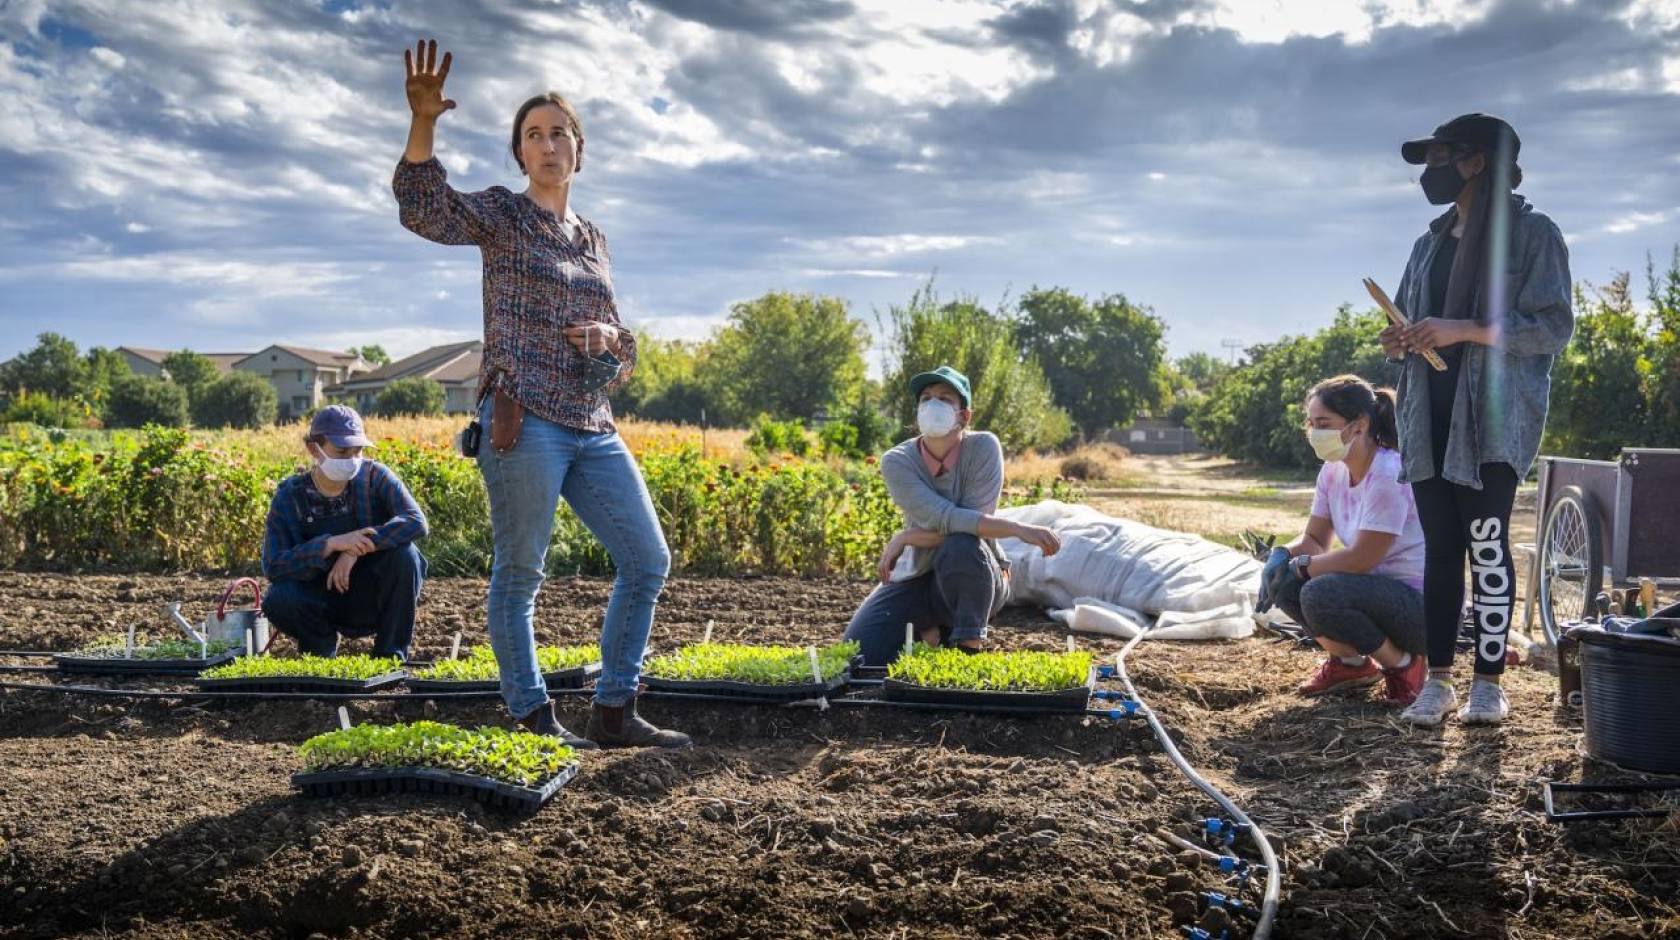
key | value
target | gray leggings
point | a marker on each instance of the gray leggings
(1359, 610)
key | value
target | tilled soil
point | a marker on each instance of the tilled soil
(169, 818)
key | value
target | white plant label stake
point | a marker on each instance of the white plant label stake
(909, 637)
(1070, 642)
(343, 718)
(816, 674)
(128, 644)
(455, 646)
(708, 637)
(250, 642)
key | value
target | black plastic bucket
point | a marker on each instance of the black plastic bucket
(1628, 685)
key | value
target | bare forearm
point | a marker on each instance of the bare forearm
(1305, 545)
(921, 538)
(1345, 560)
(421, 132)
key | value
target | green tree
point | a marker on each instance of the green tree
(135, 401)
(1598, 398)
(53, 368)
(103, 368)
(414, 396)
(1662, 387)
(1201, 370)
(374, 354)
(192, 371)
(236, 400)
(36, 408)
(1011, 397)
(788, 355)
(1256, 411)
(1103, 358)
(666, 385)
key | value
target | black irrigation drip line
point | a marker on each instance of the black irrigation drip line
(28, 668)
(42, 654)
(1269, 904)
(155, 694)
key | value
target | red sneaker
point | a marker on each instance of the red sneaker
(1404, 684)
(1334, 675)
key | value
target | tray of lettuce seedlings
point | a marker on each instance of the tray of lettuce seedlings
(772, 673)
(355, 673)
(514, 770)
(563, 667)
(118, 654)
(1024, 680)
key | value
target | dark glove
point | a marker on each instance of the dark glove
(1276, 562)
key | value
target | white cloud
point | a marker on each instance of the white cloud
(885, 246)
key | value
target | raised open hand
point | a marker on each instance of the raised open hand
(425, 75)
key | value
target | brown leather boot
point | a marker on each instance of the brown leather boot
(542, 721)
(620, 726)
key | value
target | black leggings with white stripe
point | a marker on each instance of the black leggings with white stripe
(1461, 522)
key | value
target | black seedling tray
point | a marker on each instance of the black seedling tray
(1067, 700)
(729, 687)
(300, 683)
(101, 665)
(378, 781)
(575, 678)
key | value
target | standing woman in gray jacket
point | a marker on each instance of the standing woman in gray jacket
(1488, 288)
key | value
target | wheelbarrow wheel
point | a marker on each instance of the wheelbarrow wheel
(1571, 565)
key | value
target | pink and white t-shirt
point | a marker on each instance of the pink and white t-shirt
(1380, 503)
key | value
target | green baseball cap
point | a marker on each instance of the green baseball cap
(947, 375)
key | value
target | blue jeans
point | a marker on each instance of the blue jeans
(601, 482)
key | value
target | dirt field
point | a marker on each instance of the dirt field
(172, 819)
(163, 818)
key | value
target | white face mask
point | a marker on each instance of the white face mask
(1327, 443)
(936, 418)
(339, 469)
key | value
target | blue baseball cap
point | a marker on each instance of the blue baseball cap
(340, 425)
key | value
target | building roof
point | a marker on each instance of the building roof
(224, 360)
(320, 357)
(449, 364)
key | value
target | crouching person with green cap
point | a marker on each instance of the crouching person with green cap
(946, 481)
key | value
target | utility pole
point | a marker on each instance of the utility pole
(1233, 345)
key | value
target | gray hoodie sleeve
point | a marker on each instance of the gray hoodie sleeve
(922, 505)
(1540, 318)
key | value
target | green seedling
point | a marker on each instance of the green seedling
(1018, 671)
(516, 757)
(114, 646)
(760, 665)
(479, 663)
(358, 666)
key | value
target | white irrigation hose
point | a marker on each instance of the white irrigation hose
(1269, 903)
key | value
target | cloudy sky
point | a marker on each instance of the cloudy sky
(216, 173)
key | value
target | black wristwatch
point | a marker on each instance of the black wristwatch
(1300, 563)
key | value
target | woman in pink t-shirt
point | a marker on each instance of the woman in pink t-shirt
(1363, 601)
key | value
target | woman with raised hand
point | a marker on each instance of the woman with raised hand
(553, 348)
(1487, 287)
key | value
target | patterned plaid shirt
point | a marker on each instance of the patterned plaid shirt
(379, 500)
(536, 283)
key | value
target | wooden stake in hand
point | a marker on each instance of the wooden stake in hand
(1398, 319)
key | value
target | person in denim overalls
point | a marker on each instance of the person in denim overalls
(339, 549)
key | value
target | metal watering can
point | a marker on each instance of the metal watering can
(241, 626)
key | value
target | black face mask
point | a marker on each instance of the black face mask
(1442, 184)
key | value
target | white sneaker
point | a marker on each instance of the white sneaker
(1433, 704)
(1487, 705)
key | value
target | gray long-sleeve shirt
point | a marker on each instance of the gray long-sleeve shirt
(952, 502)
(1499, 411)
